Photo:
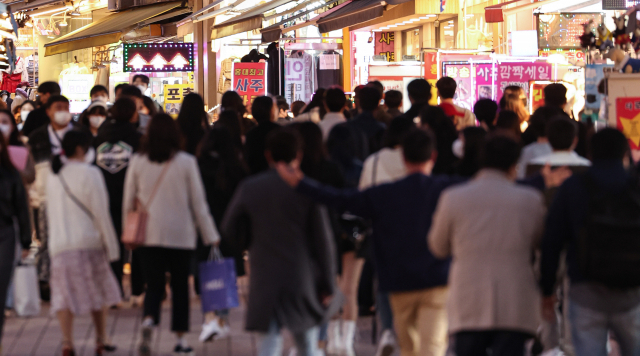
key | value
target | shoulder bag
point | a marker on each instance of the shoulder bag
(135, 223)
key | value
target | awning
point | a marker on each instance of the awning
(496, 13)
(274, 32)
(195, 15)
(248, 21)
(356, 12)
(106, 30)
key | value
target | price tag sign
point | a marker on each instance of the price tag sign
(329, 61)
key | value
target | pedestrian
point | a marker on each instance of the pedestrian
(94, 116)
(296, 108)
(341, 146)
(584, 212)
(401, 216)
(232, 101)
(99, 92)
(369, 130)
(283, 110)
(472, 140)
(486, 111)
(539, 148)
(26, 108)
(508, 124)
(393, 102)
(293, 288)
(263, 110)
(6, 97)
(443, 128)
(193, 122)
(555, 95)
(513, 103)
(148, 110)
(82, 241)
(13, 206)
(461, 117)
(115, 144)
(419, 91)
(336, 102)
(38, 117)
(562, 134)
(229, 120)
(315, 110)
(132, 92)
(222, 169)
(166, 180)
(380, 113)
(9, 130)
(490, 227)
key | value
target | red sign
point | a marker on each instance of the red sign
(430, 65)
(628, 120)
(385, 45)
(537, 95)
(249, 80)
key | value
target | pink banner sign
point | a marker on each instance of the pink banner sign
(484, 83)
(519, 74)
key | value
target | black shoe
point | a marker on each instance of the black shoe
(109, 348)
(181, 350)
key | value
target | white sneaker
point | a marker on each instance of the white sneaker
(387, 344)
(210, 330)
(224, 332)
(334, 339)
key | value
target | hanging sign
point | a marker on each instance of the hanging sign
(593, 74)
(461, 73)
(158, 57)
(294, 75)
(249, 80)
(385, 45)
(329, 61)
(173, 96)
(628, 120)
(520, 74)
(484, 76)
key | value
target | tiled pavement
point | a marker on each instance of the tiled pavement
(40, 336)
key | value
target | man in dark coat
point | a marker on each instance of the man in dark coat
(263, 112)
(38, 117)
(292, 280)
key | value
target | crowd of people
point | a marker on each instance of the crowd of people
(484, 232)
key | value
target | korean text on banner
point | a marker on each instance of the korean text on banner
(628, 120)
(173, 96)
(594, 73)
(461, 73)
(295, 88)
(484, 80)
(250, 80)
(519, 74)
(385, 45)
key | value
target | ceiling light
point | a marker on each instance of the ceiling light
(63, 23)
(450, 21)
(113, 59)
(76, 12)
(4, 14)
(378, 30)
(393, 25)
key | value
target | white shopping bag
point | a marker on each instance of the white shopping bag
(26, 294)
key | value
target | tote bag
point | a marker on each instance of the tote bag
(218, 287)
(26, 295)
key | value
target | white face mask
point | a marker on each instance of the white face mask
(143, 119)
(104, 99)
(96, 120)
(24, 114)
(90, 156)
(458, 148)
(62, 118)
(142, 88)
(6, 130)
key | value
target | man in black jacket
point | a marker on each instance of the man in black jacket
(38, 117)
(115, 144)
(46, 140)
(419, 91)
(367, 128)
(263, 112)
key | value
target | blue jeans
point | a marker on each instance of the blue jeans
(590, 330)
(270, 344)
(384, 310)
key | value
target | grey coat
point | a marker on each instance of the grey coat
(291, 254)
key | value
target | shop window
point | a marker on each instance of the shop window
(447, 33)
(411, 42)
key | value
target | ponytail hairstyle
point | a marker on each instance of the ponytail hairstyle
(73, 139)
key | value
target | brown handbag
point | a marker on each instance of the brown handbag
(135, 223)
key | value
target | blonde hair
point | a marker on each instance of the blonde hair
(514, 103)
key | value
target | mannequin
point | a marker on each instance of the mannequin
(475, 38)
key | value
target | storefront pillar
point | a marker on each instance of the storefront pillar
(210, 74)
(200, 46)
(428, 35)
(346, 59)
(397, 46)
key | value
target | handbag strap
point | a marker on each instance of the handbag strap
(215, 254)
(74, 198)
(374, 171)
(157, 185)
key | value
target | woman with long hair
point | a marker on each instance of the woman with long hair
(233, 101)
(167, 183)
(229, 119)
(13, 206)
(445, 132)
(315, 110)
(514, 103)
(193, 122)
(23, 161)
(222, 169)
(472, 140)
(82, 241)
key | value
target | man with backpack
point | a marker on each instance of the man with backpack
(596, 217)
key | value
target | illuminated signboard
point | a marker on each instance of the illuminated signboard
(158, 57)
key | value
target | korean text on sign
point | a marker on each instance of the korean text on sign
(249, 80)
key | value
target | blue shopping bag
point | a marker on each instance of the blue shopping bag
(218, 287)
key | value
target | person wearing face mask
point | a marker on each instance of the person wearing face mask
(82, 238)
(145, 113)
(115, 144)
(94, 116)
(19, 153)
(23, 111)
(46, 141)
(141, 82)
(38, 117)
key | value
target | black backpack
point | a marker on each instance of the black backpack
(609, 244)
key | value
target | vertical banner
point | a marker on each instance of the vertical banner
(385, 45)
(519, 74)
(461, 73)
(593, 74)
(536, 95)
(431, 65)
(173, 96)
(249, 80)
(294, 84)
(484, 76)
(628, 120)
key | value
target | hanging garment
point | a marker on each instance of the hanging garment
(308, 75)
(10, 82)
(224, 81)
(275, 73)
(21, 68)
(328, 69)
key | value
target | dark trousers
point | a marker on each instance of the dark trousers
(137, 276)
(492, 342)
(155, 262)
(7, 255)
(118, 267)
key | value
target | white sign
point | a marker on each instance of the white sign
(524, 43)
(329, 61)
(294, 74)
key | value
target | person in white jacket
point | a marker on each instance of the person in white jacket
(82, 241)
(167, 182)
